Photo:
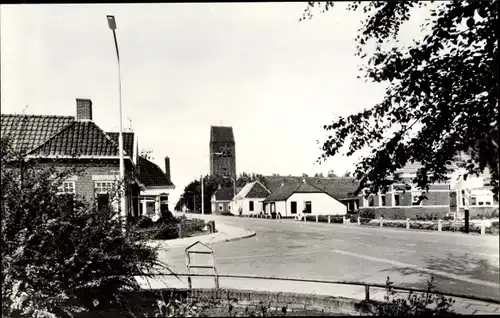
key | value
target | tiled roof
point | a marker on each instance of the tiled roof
(283, 192)
(30, 131)
(151, 175)
(253, 190)
(221, 134)
(224, 194)
(81, 138)
(339, 188)
(128, 141)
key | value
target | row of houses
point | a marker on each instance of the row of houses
(77, 141)
(295, 196)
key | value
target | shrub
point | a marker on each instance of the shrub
(367, 214)
(227, 214)
(427, 303)
(167, 232)
(145, 222)
(395, 224)
(364, 220)
(192, 226)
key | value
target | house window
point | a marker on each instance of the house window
(473, 200)
(250, 205)
(396, 200)
(293, 207)
(220, 206)
(415, 196)
(382, 200)
(488, 203)
(308, 207)
(104, 186)
(481, 202)
(67, 187)
(371, 200)
(229, 207)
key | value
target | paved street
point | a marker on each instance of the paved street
(459, 263)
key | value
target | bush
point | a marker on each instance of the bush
(192, 226)
(364, 220)
(227, 214)
(167, 232)
(367, 214)
(145, 222)
(395, 224)
(427, 303)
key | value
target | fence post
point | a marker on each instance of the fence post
(359, 220)
(440, 225)
(329, 219)
(367, 292)
(343, 219)
(305, 217)
(381, 222)
(316, 218)
(483, 228)
(408, 223)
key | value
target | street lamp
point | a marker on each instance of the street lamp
(122, 209)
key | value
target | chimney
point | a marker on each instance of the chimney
(83, 109)
(167, 168)
(219, 186)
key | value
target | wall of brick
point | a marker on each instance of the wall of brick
(401, 213)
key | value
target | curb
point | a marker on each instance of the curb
(252, 234)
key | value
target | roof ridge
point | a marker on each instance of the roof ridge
(52, 137)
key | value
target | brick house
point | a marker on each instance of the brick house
(66, 141)
(442, 198)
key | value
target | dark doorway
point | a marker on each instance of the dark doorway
(308, 207)
(293, 207)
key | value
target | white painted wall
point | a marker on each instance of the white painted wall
(245, 206)
(321, 204)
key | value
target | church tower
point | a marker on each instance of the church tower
(222, 151)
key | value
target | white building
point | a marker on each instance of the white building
(249, 199)
(292, 199)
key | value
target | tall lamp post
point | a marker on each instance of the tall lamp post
(122, 207)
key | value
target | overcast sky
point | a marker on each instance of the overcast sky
(187, 66)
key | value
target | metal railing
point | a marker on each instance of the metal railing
(322, 281)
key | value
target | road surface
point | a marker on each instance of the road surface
(459, 263)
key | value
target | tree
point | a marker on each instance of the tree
(347, 174)
(319, 175)
(59, 254)
(442, 95)
(331, 174)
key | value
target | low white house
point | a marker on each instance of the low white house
(292, 199)
(249, 199)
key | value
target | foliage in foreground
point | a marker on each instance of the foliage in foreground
(60, 255)
(441, 99)
(427, 303)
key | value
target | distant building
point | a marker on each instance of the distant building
(221, 201)
(222, 151)
(250, 199)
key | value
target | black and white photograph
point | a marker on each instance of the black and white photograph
(250, 159)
